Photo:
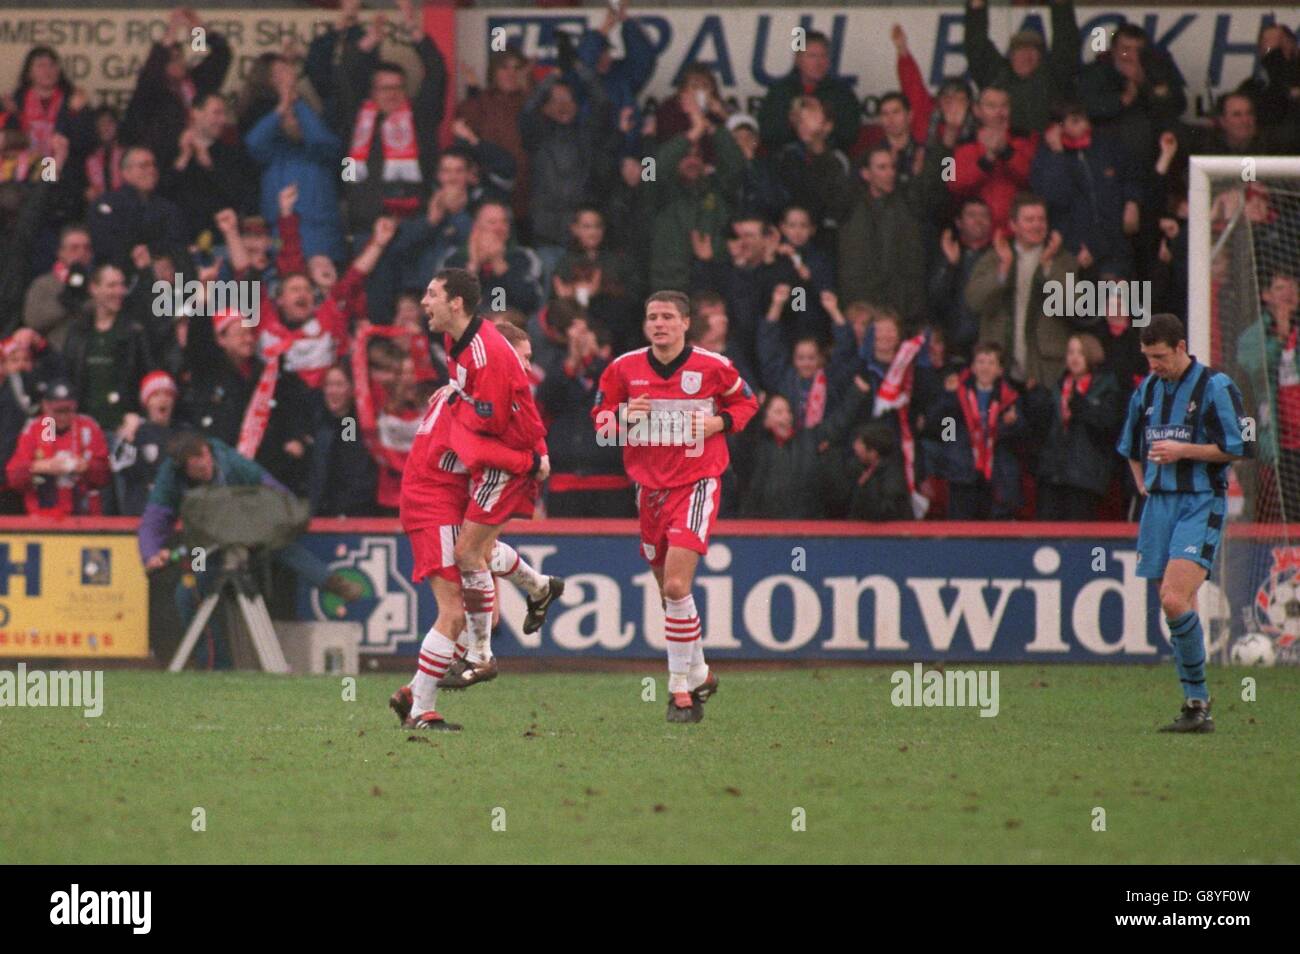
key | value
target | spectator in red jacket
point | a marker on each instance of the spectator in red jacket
(995, 167)
(61, 459)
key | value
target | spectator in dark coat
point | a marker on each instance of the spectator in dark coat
(1035, 78)
(1093, 191)
(22, 207)
(1275, 84)
(510, 274)
(787, 471)
(761, 190)
(135, 214)
(1135, 92)
(981, 413)
(1076, 461)
(565, 152)
(166, 88)
(587, 478)
(812, 171)
(961, 248)
(813, 385)
(107, 352)
(810, 77)
(344, 477)
(212, 170)
(881, 258)
(872, 483)
(222, 387)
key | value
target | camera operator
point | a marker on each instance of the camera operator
(198, 461)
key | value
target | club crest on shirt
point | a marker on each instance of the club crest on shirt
(649, 550)
(691, 381)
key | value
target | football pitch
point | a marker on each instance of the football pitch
(807, 765)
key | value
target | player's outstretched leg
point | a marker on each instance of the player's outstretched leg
(473, 664)
(540, 591)
(1177, 590)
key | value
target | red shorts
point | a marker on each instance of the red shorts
(434, 549)
(678, 517)
(497, 495)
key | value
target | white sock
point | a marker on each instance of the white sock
(431, 665)
(682, 632)
(478, 591)
(699, 670)
(507, 562)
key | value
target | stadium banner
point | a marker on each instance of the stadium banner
(63, 594)
(103, 50)
(779, 591)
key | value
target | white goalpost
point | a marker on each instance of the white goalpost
(1243, 254)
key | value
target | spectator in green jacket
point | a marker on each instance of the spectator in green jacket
(689, 199)
(1035, 77)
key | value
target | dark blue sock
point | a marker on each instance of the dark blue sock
(1189, 654)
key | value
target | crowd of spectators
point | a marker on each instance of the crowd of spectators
(882, 285)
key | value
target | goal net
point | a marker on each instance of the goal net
(1243, 317)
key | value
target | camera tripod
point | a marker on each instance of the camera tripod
(236, 582)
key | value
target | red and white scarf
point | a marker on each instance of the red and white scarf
(983, 430)
(814, 405)
(258, 412)
(38, 120)
(895, 394)
(95, 163)
(401, 149)
(1068, 385)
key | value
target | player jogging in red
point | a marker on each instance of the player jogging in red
(670, 405)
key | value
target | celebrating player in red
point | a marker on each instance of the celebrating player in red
(434, 501)
(492, 412)
(670, 405)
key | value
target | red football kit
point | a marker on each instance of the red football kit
(435, 490)
(493, 411)
(677, 475)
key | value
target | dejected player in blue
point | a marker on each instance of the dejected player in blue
(1185, 426)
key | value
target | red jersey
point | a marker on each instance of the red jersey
(435, 480)
(62, 494)
(497, 405)
(659, 452)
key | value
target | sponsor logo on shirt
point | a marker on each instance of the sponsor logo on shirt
(1168, 432)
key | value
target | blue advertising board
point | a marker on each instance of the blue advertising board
(788, 595)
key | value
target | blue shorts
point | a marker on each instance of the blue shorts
(1179, 526)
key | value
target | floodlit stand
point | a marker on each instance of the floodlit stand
(236, 581)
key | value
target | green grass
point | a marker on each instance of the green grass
(289, 772)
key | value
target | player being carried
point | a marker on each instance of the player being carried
(1185, 426)
(670, 405)
(436, 491)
